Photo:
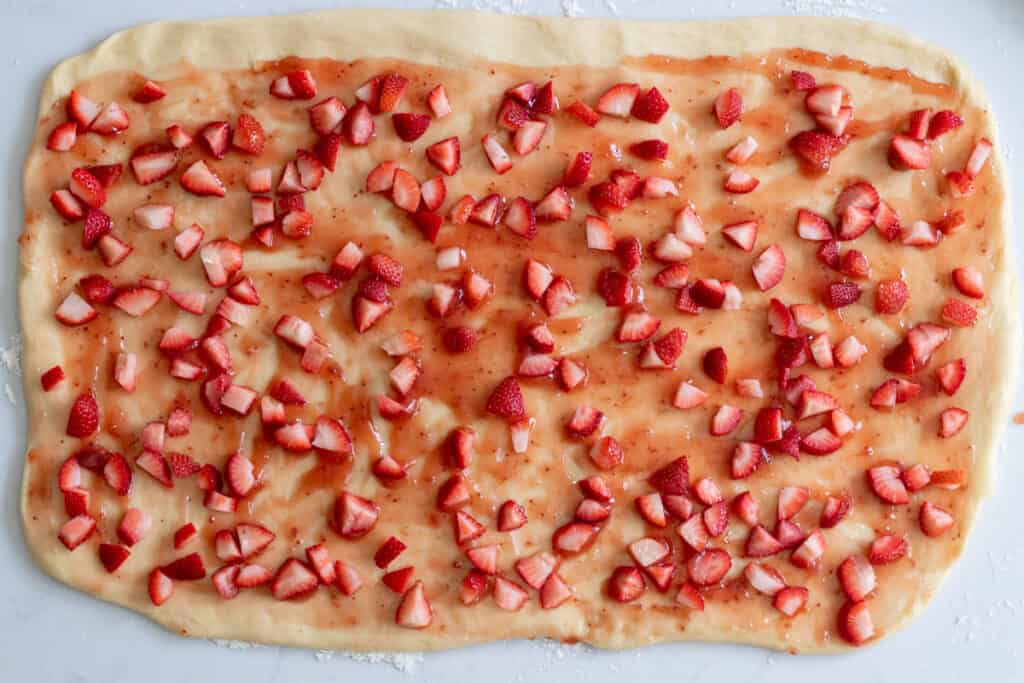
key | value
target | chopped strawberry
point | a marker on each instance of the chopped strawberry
(769, 267)
(810, 551)
(746, 458)
(725, 419)
(637, 326)
(528, 136)
(111, 121)
(650, 150)
(886, 549)
(354, 516)
(709, 567)
(160, 587)
(573, 538)
(906, 153)
(942, 122)
(294, 579)
(728, 107)
(445, 155)
(200, 180)
(951, 375)
(743, 234)
(887, 484)
(716, 364)
(979, 156)
(959, 313)
(511, 516)
(817, 148)
(585, 421)
(951, 421)
(673, 478)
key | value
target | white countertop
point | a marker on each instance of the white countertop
(49, 632)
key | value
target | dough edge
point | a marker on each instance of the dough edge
(157, 48)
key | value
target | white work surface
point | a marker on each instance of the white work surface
(49, 632)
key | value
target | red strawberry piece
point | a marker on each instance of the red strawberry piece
(649, 551)
(825, 100)
(841, 294)
(809, 551)
(854, 222)
(578, 171)
(835, 508)
(528, 136)
(536, 365)
(151, 163)
(769, 267)
(226, 547)
(294, 579)
(113, 556)
(625, 584)
(555, 206)
(707, 292)
(674, 276)
(67, 205)
(650, 150)
(673, 478)
(511, 516)
(942, 122)
(459, 339)
(445, 155)
(154, 464)
(694, 533)
(75, 311)
(760, 543)
(63, 137)
(709, 567)
(887, 484)
(545, 101)
(87, 188)
(111, 121)
(618, 100)
(918, 126)
(414, 611)
(585, 421)
(651, 509)
(780, 320)
(358, 126)
(536, 569)
(726, 419)
(485, 557)
(959, 313)
(573, 538)
(76, 531)
(791, 500)
(951, 421)
(181, 465)
(716, 519)
(84, 417)
(820, 442)
(746, 458)
(160, 587)
(650, 106)
(743, 234)
(398, 580)
(508, 595)
(607, 198)
(768, 426)
(107, 174)
(728, 107)
(802, 80)
(326, 116)
(555, 592)
(764, 578)
(790, 600)
(96, 225)
(746, 508)
(740, 182)
(184, 535)
(637, 326)
(812, 226)
(521, 218)
(716, 364)
(354, 516)
(506, 400)
(112, 250)
(855, 624)
(81, 109)
(410, 127)
(906, 153)
(816, 148)
(979, 155)
(51, 378)
(187, 568)
(97, 289)
(614, 287)
(216, 138)
(969, 282)
(240, 474)
(891, 296)
(951, 375)
(583, 113)
(886, 549)
(253, 539)
(200, 180)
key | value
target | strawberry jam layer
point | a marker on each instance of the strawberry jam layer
(397, 311)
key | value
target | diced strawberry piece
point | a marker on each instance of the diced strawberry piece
(810, 551)
(728, 107)
(887, 484)
(583, 113)
(951, 421)
(976, 161)
(959, 313)
(726, 419)
(942, 122)
(816, 148)
(650, 150)
(836, 125)
(951, 375)
(769, 267)
(886, 549)
(716, 364)
(111, 121)
(907, 153)
(445, 155)
(637, 326)
(528, 136)
(555, 206)
(835, 508)
(496, 154)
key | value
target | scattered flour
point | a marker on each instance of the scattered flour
(235, 644)
(405, 662)
(10, 356)
(836, 8)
